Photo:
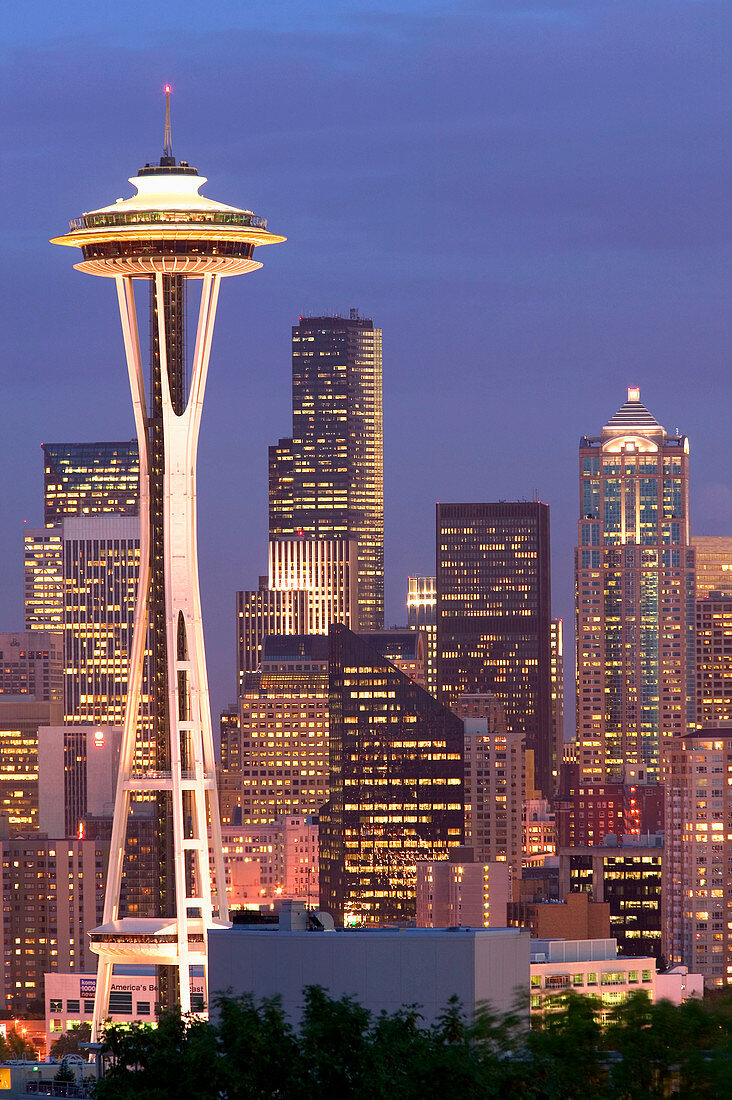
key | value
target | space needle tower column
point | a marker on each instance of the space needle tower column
(167, 235)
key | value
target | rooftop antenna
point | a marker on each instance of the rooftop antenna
(167, 136)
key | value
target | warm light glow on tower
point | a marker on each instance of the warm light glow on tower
(167, 235)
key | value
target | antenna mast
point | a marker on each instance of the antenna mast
(167, 136)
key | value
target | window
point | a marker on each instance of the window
(143, 1008)
(56, 1006)
(72, 1006)
(120, 1003)
(88, 1008)
(535, 982)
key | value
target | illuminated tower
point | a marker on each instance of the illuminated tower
(327, 481)
(635, 588)
(168, 235)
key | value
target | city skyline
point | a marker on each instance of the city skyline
(579, 263)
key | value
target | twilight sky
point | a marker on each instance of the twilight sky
(531, 199)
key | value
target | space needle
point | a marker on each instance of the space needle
(167, 235)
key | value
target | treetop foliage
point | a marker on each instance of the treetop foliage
(341, 1050)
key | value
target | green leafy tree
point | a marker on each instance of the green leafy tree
(176, 1060)
(564, 1049)
(68, 1043)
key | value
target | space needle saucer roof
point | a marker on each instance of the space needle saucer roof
(168, 228)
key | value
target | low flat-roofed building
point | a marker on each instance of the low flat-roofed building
(383, 969)
(69, 999)
(594, 968)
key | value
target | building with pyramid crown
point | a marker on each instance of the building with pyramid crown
(635, 577)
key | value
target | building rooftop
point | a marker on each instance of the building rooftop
(633, 416)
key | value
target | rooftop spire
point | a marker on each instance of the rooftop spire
(167, 136)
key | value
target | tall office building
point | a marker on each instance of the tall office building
(261, 612)
(494, 616)
(697, 903)
(52, 892)
(495, 784)
(275, 762)
(635, 586)
(714, 658)
(327, 481)
(80, 479)
(88, 479)
(628, 877)
(21, 718)
(713, 556)
(101, 562)
(31, 665)
(557, 687)
(396, 786)
(422, 616)
(43, 578)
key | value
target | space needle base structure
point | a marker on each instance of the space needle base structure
(167, 235)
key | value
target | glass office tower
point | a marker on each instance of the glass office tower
(635, 587)
(328, 479)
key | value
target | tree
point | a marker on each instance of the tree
(68, 1043)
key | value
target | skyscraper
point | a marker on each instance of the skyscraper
(713, 556)
(278, 765)
(168, 235)
(101, 564)
(311, 584)
(31, 665)
(43, 578)
(635, 584)
(396, 785)
(697, 929)
(86, 479)
(328, 479)
(494, 616)
(714, 658)
(494, 782)
(422, 616)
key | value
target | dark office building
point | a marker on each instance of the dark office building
(328, 479)
(629, 879)
(90, 479)
(494, 616)
(396, 786)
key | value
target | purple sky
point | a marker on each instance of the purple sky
(531, 199)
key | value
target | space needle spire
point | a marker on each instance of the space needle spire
(167, 135)
(168, 237)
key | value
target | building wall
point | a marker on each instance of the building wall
(698, 855)
(629, 878)
(494, 782)
(83, 479)
(713, 564)
(69, 1000)
(101, 560)
(53, 892)
(261, 612)
(460, 892)
(714, 658)
(383, 970)
(494, 616)
(422, 616)
(43, 578)
(31, 664)
(587, 967)
(327, 569)
(20, 720)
